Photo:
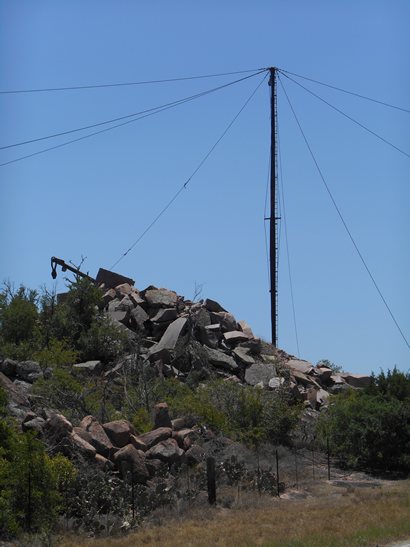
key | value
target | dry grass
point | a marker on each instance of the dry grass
(334, 516)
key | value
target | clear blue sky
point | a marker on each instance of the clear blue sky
(94, 197)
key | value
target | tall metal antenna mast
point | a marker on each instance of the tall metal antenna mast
(273, 212)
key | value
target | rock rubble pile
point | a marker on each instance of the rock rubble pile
(178, 336)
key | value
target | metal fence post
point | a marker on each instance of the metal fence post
(210, 473)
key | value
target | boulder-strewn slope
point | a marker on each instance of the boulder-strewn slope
(178, 335)
(175, 338)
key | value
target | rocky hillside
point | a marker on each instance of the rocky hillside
(175, 338)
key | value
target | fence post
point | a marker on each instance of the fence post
(277, 472)
(328, 459)
(132, 495)
(296, 469)
(210, 473)
(313, 463)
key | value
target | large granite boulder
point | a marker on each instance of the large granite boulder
(357, 380)
(155, 436)
(84, 447)
(99, 438)
(161, 416)
(8, 367)
(221, 360)
(160, 298)
(35, 424)
(119, 432)
(130, 460)
(58, 427)
(301, 366)
(167, 451)
(260, 372)
(16, 397)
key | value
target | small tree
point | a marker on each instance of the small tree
(19, 321)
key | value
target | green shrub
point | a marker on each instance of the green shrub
(392, 385)
(370, 429)
(56, 354)
(63, 392)
(103, 340)
(141, 420)
(31, 484)
(248, 414)
(19, 322)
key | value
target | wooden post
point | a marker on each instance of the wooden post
(277, 472)
(133, 496)
(210, 474)
(328, 459)
(296, 469)
(313, 462)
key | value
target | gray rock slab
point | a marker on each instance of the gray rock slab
(93, 367)
(225, 319)
(123, 289)
(243, 354)
(119, 316)
(165, 314)
(299, 365)
(15, 395)
(276, 383)
(155, 436)
(337, 379)
(109, 296)
(167, 451)
(139, 316)
(36, 424)
(322, 396)
(260, 372)
(136, 298)
(202, 318)
(170, 336)
(219, 359)
(113, 304)
(246, 329)
(235, 337)
(209, 335)
(305, 379)
(126, 304)
(323, 373)
(357, 380)
(24, 386)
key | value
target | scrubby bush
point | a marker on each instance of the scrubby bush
(248, 414)
(31, 483)
(19, 322)
(370, 429)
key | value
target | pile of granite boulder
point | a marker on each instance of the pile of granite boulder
(178, 336)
